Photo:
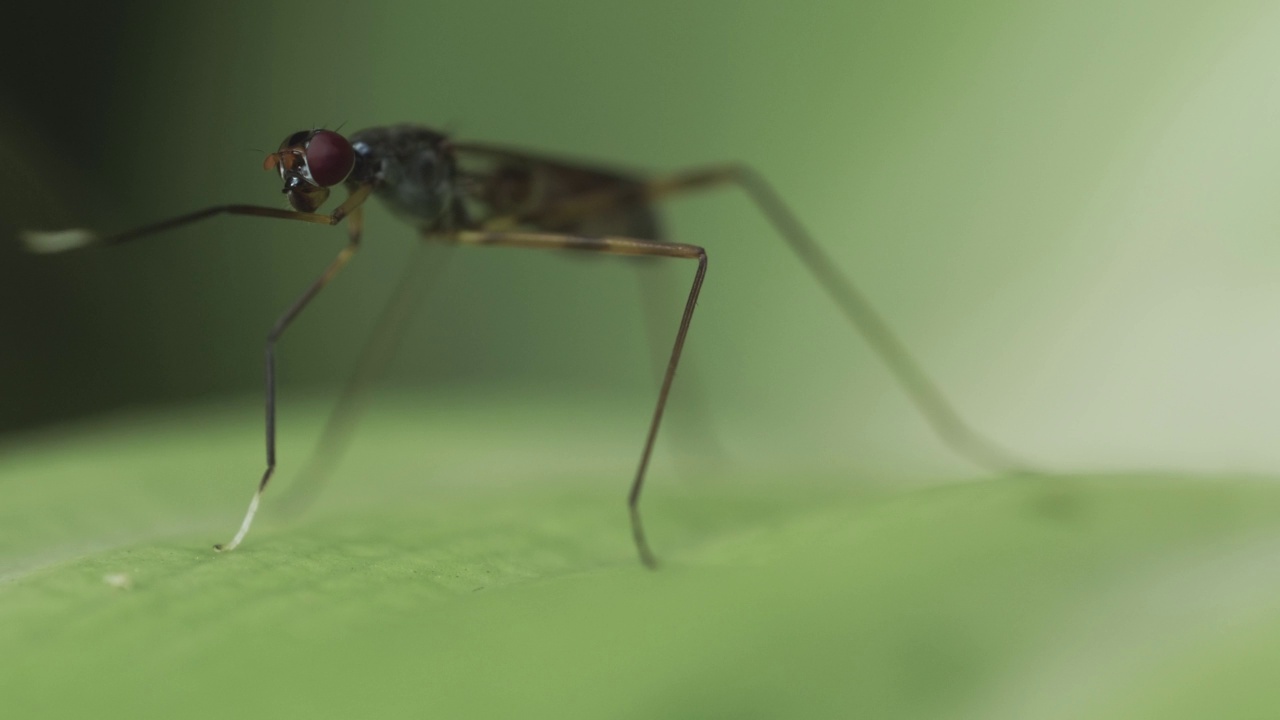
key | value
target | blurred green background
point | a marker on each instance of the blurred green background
(1067, 211)
(1064, 210)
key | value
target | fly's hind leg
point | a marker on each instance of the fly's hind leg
(938, 411)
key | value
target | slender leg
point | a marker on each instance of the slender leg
(924, 393)
(694, 433)
(62, 240)
(620, 246)
(387, 333)
(354, 226)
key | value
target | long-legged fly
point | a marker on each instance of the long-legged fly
(477, 194)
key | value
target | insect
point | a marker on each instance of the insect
(465, 193)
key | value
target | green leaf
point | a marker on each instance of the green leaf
(456, 571)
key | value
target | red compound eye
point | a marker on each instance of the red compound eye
(330, 158)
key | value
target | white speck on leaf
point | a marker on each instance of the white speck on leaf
(119, 581)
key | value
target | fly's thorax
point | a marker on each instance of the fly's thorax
(411, 169)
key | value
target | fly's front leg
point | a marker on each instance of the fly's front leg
(350, 210)
(355, 224)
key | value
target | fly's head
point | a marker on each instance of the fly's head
(310, 162)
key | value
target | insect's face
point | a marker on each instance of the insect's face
(310, 162)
